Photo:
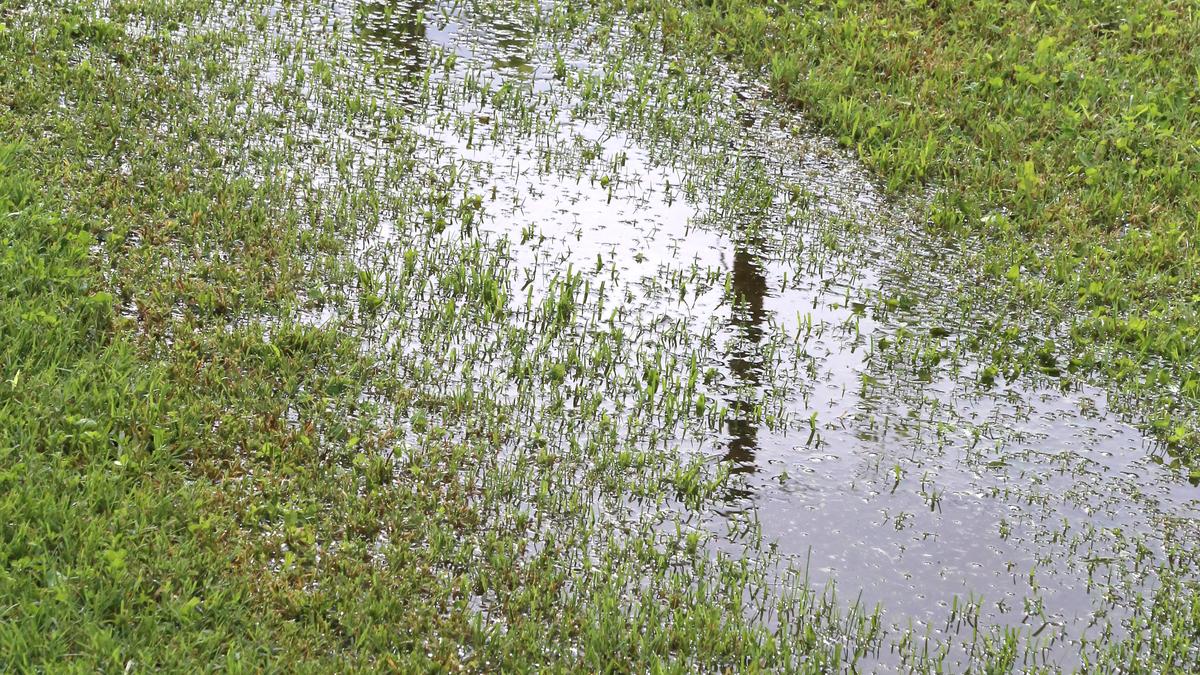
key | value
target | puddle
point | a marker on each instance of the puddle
(672, 261)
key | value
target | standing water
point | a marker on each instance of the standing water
(648, 263)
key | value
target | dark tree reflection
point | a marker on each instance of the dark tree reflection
(749, 288)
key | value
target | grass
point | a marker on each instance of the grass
(1062, 137)
(196, 477)
(269, 402)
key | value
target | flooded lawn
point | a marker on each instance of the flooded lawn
(661, 308)
(730, 287)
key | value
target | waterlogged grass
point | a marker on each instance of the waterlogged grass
(194, 478)
(1065, 137)
(312, 361)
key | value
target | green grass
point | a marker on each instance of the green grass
(139, 533)
(1064, 137)
(192, 477)
(196, 475)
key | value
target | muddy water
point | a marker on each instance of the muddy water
(730, 246)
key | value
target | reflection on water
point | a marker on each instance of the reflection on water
(397, 31)
(748, 287)
(512, 41)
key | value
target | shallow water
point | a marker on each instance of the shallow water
(727, 252)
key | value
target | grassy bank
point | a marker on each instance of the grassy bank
(1064, 136)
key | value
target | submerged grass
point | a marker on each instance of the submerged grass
(1063, 136)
